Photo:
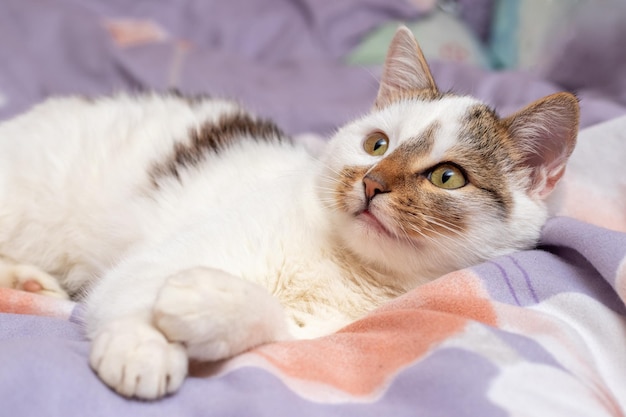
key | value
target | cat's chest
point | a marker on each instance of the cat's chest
(285, 249)
(319, 291)
(315, 292)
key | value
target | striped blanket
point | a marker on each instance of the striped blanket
(540, 332)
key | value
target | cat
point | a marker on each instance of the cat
(191, 229)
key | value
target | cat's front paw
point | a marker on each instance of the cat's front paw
(31, 279)
(136, 360)
(217, 315)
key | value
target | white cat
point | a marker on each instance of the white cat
(192, 230)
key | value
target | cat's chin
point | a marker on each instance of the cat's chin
(371, 224)
(367, 236)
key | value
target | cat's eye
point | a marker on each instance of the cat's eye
(376, 144)
(447, 176)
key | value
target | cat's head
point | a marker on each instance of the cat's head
(427, 183)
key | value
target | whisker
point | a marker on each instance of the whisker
(335, 180)
(448, 226)
(470, 253)
(438, 222)
(407, 238)
(437, 233)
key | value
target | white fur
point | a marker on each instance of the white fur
(244, 249)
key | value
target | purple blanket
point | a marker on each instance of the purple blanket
(538, 333)
(541, 332)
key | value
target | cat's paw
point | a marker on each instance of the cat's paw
(31, 279)
(217, 315)
(136, 360)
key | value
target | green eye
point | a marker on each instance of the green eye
(447, 176)
(376, 144)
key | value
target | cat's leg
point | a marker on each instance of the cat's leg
(216, 315)
(29, 278)
(128, 352)
(146, 320)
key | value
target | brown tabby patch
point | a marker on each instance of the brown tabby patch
(487, 155)
(413, 149)
(213, 138)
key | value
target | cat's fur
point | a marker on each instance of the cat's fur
(193, 230)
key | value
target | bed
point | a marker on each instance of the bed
(540, 332)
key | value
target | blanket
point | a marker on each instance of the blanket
(540, 332)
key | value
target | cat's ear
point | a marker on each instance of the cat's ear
(545, 133)
(405, 70)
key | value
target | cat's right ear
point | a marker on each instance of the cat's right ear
(545, 134)
(405, 71)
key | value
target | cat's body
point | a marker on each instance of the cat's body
(193, 230)
(248, 208)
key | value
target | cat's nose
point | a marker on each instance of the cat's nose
(373, 186)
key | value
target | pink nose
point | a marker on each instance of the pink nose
(373, 186)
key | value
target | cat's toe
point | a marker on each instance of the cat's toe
(136, 360)
(31, 279)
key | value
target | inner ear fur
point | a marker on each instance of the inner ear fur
(405, 71)
(545, 132)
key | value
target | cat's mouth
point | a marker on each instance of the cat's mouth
(371, 221)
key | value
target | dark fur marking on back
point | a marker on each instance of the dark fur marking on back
(214, 137)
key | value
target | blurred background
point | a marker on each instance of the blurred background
(312, 64)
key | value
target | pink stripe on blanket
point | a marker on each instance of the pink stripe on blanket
(22, 302)
(362, 359)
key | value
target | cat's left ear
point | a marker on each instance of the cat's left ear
(545, 133)
(405, 70)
